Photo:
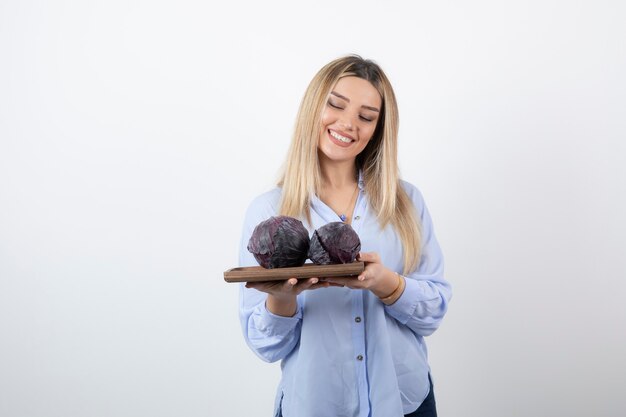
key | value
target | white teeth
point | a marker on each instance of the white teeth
(339, 137)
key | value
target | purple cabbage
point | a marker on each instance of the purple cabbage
(334, 243)
(279, 242)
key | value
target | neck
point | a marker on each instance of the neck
(338, 175)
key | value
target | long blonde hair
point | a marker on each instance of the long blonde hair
(301, 174)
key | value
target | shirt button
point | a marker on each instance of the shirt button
(360, 357)
(357, 217)
(357, 319)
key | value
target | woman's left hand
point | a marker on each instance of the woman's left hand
(375, 277)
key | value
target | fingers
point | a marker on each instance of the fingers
(275, 287)
(315, 283)
(342, 280)
(297, 286)
(257, 285)
(368, 257)
(362, 275)
(293, 285)
(310, 282)
(350, 282)
(321, 284)
(373, 264)
(304, 284)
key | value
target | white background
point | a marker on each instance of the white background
(133, 135)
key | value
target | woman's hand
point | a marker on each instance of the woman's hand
(281, 298)
(375, 277)
(287, 288)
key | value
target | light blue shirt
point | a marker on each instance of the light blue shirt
(345, 353)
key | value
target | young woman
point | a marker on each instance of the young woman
(349, 346)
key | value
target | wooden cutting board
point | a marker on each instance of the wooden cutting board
(258, 273)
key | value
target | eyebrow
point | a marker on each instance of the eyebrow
(348, 100)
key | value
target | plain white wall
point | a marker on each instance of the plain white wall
(133, 135)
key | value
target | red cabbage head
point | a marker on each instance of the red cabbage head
(279, 242)
(334, 243)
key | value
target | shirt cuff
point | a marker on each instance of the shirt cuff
(405, 306)
(273, 324)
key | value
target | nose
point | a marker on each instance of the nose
(346, 122)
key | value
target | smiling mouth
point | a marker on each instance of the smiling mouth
(340, 137)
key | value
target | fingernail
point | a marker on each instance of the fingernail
(314, 280)
(361, 278)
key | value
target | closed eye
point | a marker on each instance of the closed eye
(330, 103)
(364, 118)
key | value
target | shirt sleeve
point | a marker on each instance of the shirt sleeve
(270, 336)
(425, 299)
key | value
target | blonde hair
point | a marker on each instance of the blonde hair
(301, 174)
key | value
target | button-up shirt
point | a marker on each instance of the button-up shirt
(344, 352)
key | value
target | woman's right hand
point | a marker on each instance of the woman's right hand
(281, 298)
(288, 287)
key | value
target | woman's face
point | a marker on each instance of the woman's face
(349, 119)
